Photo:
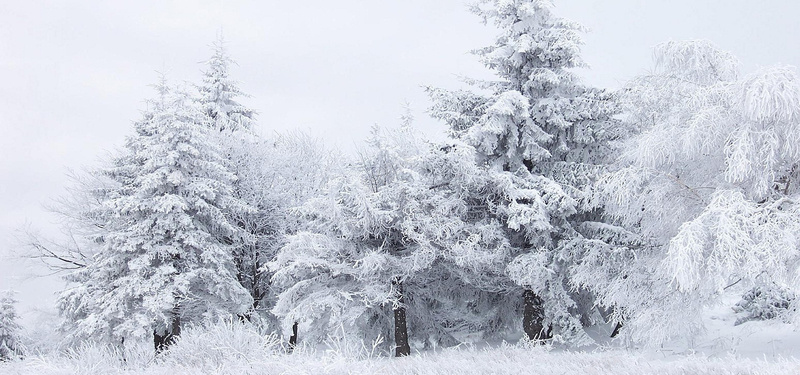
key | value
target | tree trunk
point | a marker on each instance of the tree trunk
(400, 329)
(293, 337)
(158, 341)
(162, 342)
(617, 328)
(607, 314)
(122, 350)
(533, 317)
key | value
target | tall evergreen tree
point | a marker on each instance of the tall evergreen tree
(231, 126)
(162, 263)
(402, 231)
(538, 123)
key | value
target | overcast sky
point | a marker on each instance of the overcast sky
(74, 74)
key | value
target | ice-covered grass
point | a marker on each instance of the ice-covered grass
(504, 360)
(231, 348)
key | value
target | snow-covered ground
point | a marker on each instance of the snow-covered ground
(503, 360)
(750, 348)
(770, 339)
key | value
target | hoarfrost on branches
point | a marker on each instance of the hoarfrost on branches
(162, 261)
(543, 137)
(710, 183)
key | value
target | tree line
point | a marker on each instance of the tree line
(551, 207)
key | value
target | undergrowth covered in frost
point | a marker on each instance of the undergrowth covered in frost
(233, 348)
(764, 303)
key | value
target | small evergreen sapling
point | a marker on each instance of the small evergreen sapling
(765, 303)
(10, 330)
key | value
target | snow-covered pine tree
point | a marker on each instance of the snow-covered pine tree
(539, 127)
(219, 94)
(466, 294)
(161, 264)
(10, 330)
(710, 183)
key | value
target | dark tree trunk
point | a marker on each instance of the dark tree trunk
(293, 337)
(400, 329)
(617, 328)
(533, 317)
(158, 341)
(122, 350)
(607, 314)
(163, 341)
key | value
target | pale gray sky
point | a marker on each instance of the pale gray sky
(73, 74)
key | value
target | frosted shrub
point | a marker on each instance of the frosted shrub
(226, 341)
(765, 303)
(90, 358)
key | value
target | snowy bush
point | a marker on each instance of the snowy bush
(220, 342)
(765, 303)
(10, 345)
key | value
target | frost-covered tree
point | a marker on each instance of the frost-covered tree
(219, 94)
(276, 174)
(418, 228)
(10, 330)
(243, 154)
(161, 263)
(540, 133)
(353, 261)
(709, 185)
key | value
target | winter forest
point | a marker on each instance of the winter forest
(557, 228)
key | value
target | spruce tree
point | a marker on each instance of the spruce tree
(162, 262)
(231, 126)
(537, 129)
(273, 175)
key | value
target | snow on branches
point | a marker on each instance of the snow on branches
(541, 137)
(711, 179)
(165, 256)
